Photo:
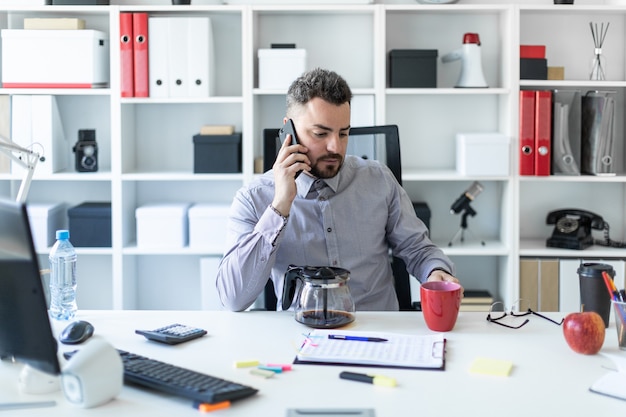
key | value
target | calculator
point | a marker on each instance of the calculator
(173, 333)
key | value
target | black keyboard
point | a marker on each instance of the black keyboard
(182, 382)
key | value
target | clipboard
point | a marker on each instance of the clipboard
(426, 352)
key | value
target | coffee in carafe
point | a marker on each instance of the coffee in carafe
(323, 298)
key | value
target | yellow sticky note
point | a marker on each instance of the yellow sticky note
(486, 366)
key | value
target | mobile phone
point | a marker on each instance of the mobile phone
(289, 129)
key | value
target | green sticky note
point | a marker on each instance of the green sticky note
(487, 366)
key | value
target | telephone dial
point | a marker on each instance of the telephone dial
(572, 230)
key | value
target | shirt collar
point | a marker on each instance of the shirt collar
(304, 183)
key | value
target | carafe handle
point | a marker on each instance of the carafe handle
(289, 286)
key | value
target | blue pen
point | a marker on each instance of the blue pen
(359, 338)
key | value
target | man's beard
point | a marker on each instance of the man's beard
(330, 170)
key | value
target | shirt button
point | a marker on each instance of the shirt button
(334, 263)
(330, 229)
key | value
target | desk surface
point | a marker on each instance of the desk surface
(546, 373)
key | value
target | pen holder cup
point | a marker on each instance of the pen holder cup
(619, 308)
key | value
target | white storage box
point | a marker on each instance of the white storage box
(162, 225)
(208, 225)
(482, 154)
(45, 220)
(279, 67)
(54, 58)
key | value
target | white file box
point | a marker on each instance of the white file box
(482, 154)
(279, 67)
(208, 225)
(54, 58)
(162, 225)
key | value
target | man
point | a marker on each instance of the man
(343, 211)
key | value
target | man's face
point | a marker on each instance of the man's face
(323, 128)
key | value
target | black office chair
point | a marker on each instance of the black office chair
(374, 142)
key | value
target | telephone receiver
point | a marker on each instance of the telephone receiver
(572, 228)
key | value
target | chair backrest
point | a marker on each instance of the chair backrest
(381, 143)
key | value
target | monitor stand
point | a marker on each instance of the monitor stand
(33, 381)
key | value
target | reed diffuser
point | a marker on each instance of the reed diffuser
(598, 63)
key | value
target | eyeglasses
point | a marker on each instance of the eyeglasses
(520, 308)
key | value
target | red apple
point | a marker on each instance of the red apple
(584, 332)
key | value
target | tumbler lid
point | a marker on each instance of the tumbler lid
(595, 269)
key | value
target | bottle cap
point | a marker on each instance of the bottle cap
(63, 234)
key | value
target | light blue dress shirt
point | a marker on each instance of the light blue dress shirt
(351, 222)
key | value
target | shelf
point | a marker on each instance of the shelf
(575, 178)
(447, 91)
(146, 148)
(473, 247)
(208, 251)
(180, 176)
(444, 175)
(537, 248)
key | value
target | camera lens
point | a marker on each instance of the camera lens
(88, 162)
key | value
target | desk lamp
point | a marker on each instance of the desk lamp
(27, 158)
(462, 204)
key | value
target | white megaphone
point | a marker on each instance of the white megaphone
(472, 70)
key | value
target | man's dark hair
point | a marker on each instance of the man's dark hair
(325, 84)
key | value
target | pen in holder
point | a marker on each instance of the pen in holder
(619, 308)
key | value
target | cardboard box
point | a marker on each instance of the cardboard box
(163, 225)
(45, 219)
(279, 67)
(208, 226)
(54, 58)
(217, 153)
(90, 224)
(482, 154)
(413, 68)
(556, 73)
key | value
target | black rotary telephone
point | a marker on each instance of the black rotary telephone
(572, 229)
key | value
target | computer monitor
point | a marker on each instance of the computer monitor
(25, 330)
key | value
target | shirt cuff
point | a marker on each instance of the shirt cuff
(438, 269)
(284, 218)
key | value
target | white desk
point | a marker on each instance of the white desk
(547, 378)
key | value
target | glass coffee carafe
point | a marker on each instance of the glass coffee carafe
(323, 298)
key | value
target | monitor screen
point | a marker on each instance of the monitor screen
(25, 331)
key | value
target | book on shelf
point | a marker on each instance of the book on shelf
(477, 297)
(217, 130)
(53, 23)
(396, 351)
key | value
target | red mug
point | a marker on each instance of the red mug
(441, 301)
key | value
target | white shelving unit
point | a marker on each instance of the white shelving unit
(146, 150)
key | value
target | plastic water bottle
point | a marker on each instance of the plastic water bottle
(62, 278)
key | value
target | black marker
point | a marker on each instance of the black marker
(370, 379)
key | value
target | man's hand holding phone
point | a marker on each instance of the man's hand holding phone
(292, 154)
(290, 163)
